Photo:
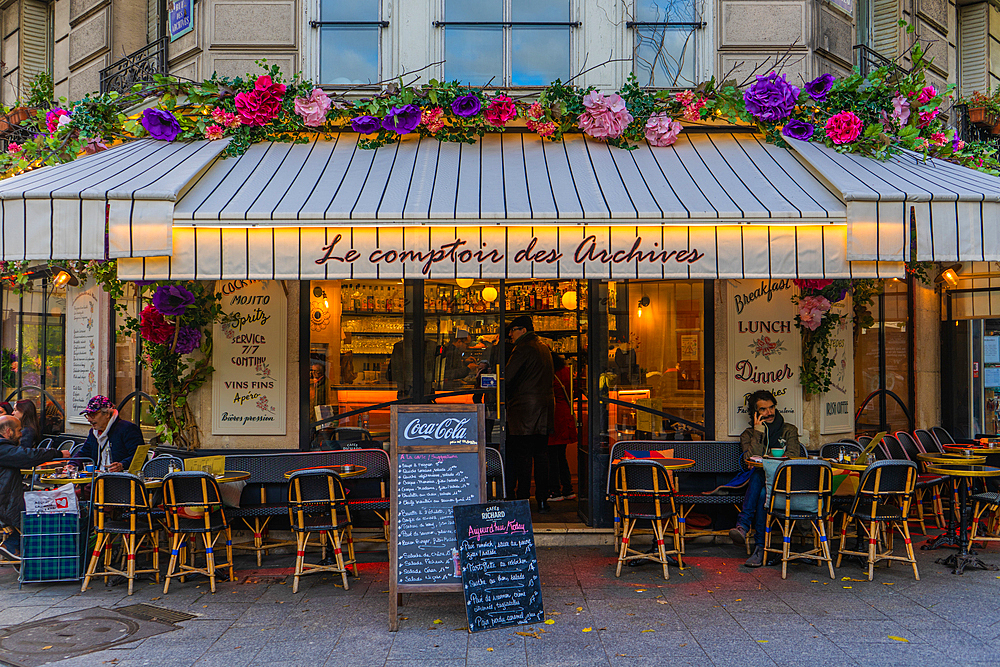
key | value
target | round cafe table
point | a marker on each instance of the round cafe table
(952, 457)
(150, 482)
(964, 474)
(844, 465)
(339, 469)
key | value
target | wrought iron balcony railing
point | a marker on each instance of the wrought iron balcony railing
(138, 67)
(867, 59)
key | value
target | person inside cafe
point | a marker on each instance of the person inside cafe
(6, 408)
(31, 433)
(13, 459)
(767, 431)
(112, 441)
(317, 386)
(564, 434)
(459, 362)
(531, 410)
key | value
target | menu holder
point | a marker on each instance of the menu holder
(437, 459)
(496, 546)
(866, 454)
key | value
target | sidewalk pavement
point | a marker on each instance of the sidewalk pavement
(714, 612)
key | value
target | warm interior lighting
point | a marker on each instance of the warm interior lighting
(489, 293)
(464, 283)
(65, 277)
(569, 300)
(949, 276)
(643, 303)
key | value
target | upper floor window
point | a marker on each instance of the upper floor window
(349, 41)
(665, 46)
(506, 42)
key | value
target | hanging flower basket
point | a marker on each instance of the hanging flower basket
(14, 118)
(980, 116)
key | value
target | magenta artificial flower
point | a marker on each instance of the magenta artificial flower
(926, 95)
(604, 117)
(14, 148)
(844, 127)
(402, 120)
(160, 124)
(53, 119)
(432, 119)
(820, 87)
(172, 299)
(213, 132)
(771, 98)
(813, 284)
(153, 327)
(313, 109)
(812, 309)
(927, 116)
(662, 130)
(262, 104)
(365, 124)
(500, 111)
(466, 106)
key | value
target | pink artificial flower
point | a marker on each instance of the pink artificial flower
(924, 145)
(812, 309)
(900, 109)
(816, 283)
(685, 97)
(53, 119)
(231, 120)
(605, 117)
(94, 145)
(959, 145)
(844, 127)
(533, 120)
(501, 110)
(13, 148)
(535, 111)
(662, 130)
(692, 112)
(546, 129)
(927, 116)
(926, 95)
(262, 104)
(432, 119)
(313, 108)
(213, 132)
(939, 138)
(219, 115)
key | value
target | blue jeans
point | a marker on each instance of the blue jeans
(753, 508)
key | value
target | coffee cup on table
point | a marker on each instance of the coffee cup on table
(89, 468)
(776, 452)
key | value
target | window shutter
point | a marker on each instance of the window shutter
(885, 27)
(973, 48)
(34, 41)
(153, 31)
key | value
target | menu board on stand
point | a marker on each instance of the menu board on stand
(83, 347)
(248, 385)
(437, 456)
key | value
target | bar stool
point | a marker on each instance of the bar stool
(193, 506)
(317, 504)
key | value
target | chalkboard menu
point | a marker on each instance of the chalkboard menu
(496, 546)
(438, 460)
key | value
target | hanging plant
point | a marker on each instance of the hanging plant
(817, 324)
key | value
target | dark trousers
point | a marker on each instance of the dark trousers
(522, 450)
(753, 513)
(559, 477)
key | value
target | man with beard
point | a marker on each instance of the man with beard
(767, 431)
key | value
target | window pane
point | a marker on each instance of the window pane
(473, 10)
(348, 55)
(539, 10)
(539, 56)
(664, 56)
(356, 10)
(473, 55)
(668, 11)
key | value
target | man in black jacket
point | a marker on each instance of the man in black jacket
(531, 407)
(112, 441)
(14, 458)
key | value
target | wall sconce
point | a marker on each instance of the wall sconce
(948, 278)
(320, 293)
(65, 277)
(490, 293)
(643, 303)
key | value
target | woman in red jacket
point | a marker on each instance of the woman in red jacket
(564, 434)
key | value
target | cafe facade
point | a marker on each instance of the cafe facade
(665, 277)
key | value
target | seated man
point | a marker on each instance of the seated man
(768, 431)
(459, 363)
(13, 459)
(112, 441)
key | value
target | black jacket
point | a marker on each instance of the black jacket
(124, 438)
(531, 405)
(29, 437)
(14, 458)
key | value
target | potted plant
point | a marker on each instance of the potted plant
(981, 109)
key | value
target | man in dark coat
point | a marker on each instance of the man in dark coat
(531, 407)
(112, 441)
(14, 458)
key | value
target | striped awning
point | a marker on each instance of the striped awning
(716, 204)
(956, 210)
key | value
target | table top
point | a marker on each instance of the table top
(978, 449)
(959, 470)
(843, 465)
(150, 482)
(339, 469)
(669, 464)
(951, 457)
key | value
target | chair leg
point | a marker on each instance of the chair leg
(209, 558)
(824, 544)
(349, 534)
(843, 538)
(908, 543)
(175, 548)
(130, 548)
(786, 545)
(678, 542)
(301, 540)
(229, 552)
(873, 536)
(658, 533)
(627, 527)
(94, 559)
(338, 552)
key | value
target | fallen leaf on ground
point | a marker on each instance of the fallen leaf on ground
(899, 639)
(437, 620)
(739, 599)
(761, 641)
(893, 583)
(640, 590)
(490, 650)
(848, 586)
(554, 613)
(529, 634)
(587, 629)
(648, 630)
(579, 608)
(681, 645)
(46, 648)
(549, 621)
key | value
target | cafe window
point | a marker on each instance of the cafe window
(882, 359)
(666, 36)
(350, 41)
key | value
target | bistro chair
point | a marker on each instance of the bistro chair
(643, 492)
(618, 451)
(926, 482)
(317, 503)
(159, 466)
(496, 487)
(120, 509)
(802, 491)
(368, 491)
(942, 436)
(193, 507)
(880, 507)
(831, 450)
(986, 508)
(927, 442)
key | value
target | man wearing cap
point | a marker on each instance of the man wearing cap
(458, 364)
(531, 407)
(112, 441)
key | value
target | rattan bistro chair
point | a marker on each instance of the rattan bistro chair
(193, 507)
(120, 508)
(880, 507)
(643, 492)
(802, 492)
(496, 485)
(317, 503)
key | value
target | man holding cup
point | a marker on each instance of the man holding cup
(112, 441)
(768, 435)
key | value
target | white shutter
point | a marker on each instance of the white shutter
(973, 48)
(885, 27)
(152, 20)
(34, 41)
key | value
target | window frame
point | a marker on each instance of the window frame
(703, 51)
(313, 39)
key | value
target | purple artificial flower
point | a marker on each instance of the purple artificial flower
(466, 106)
(172, 299)
(365, 124)
(402, 120)
(771, 98)
(820, 87)
(188, 340)
(160, 124)
(797, 129)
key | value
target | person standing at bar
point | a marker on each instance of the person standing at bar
(565, 433)
(531, 410)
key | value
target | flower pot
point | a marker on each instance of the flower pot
(980, 116)
(15, 118)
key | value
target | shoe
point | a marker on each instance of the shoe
(738, 534)
(543, 507)
(9, 550)
(570, 496)
(556, 499)
(756, 558)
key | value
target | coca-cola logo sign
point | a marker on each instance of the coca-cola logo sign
(449, 429)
